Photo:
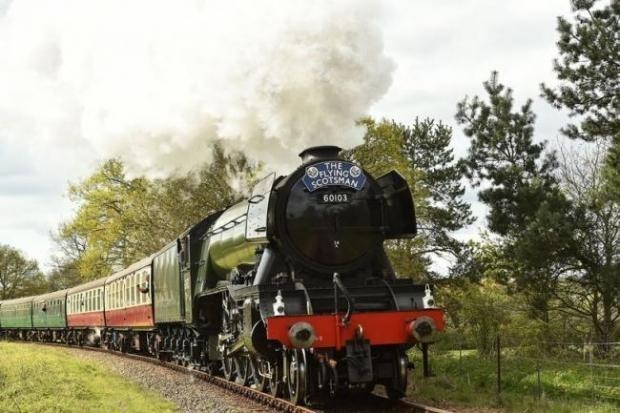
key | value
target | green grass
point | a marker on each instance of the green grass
(470, 381)
(42, 379)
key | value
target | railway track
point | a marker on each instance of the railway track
(373, 402)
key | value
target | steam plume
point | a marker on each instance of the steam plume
(154, 82)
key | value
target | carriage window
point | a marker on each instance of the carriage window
(134, 288)
(139, 295)
(126, 291)
(129, 291)
(134, 294)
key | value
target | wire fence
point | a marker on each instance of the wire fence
(587, 371)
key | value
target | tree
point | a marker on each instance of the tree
(520, 187)
(427, 149)
(120, 220)
(589, 70)
(503, 154)
(19, 276)
(421, 153)
(589, 75)
(65, 274)
(560, 233)
(590, 286)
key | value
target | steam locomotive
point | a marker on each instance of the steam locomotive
(289, 291)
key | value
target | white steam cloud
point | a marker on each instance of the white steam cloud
(155, 82)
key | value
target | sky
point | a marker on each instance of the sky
(84, 81)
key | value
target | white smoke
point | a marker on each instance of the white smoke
(155, 82)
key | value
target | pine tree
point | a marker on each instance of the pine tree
(518, 185)
(589, 74)
(589, 70)
(422, 154)
(559, 234)
(504, 155)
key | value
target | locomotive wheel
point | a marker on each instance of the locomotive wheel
(297, 376)
(260, 382)
(237, 369)
(228, 368)
(244, 369)
(275, 381)
(397, 389)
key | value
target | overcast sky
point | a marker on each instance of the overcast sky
(434, 53)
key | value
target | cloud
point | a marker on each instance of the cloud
(156, 82)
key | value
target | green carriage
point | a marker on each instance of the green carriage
(17, 313)
(48, 310)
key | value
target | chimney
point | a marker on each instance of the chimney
(317, 153)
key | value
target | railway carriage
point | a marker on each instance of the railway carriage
(17, 317)
(49, 317)
(85, 315)
(128, 309)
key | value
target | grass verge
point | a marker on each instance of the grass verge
(42, 379)
(467, 380)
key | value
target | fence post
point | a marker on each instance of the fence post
(591, 361)
(499, 367)
(425, 365)
(461, 356)
(538, 379)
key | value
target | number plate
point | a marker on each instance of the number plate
(335, 198)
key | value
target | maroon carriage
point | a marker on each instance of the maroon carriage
(85, 312)
(128, 297)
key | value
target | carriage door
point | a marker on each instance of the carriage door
(186, 276)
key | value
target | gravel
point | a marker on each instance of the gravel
(191, 395)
